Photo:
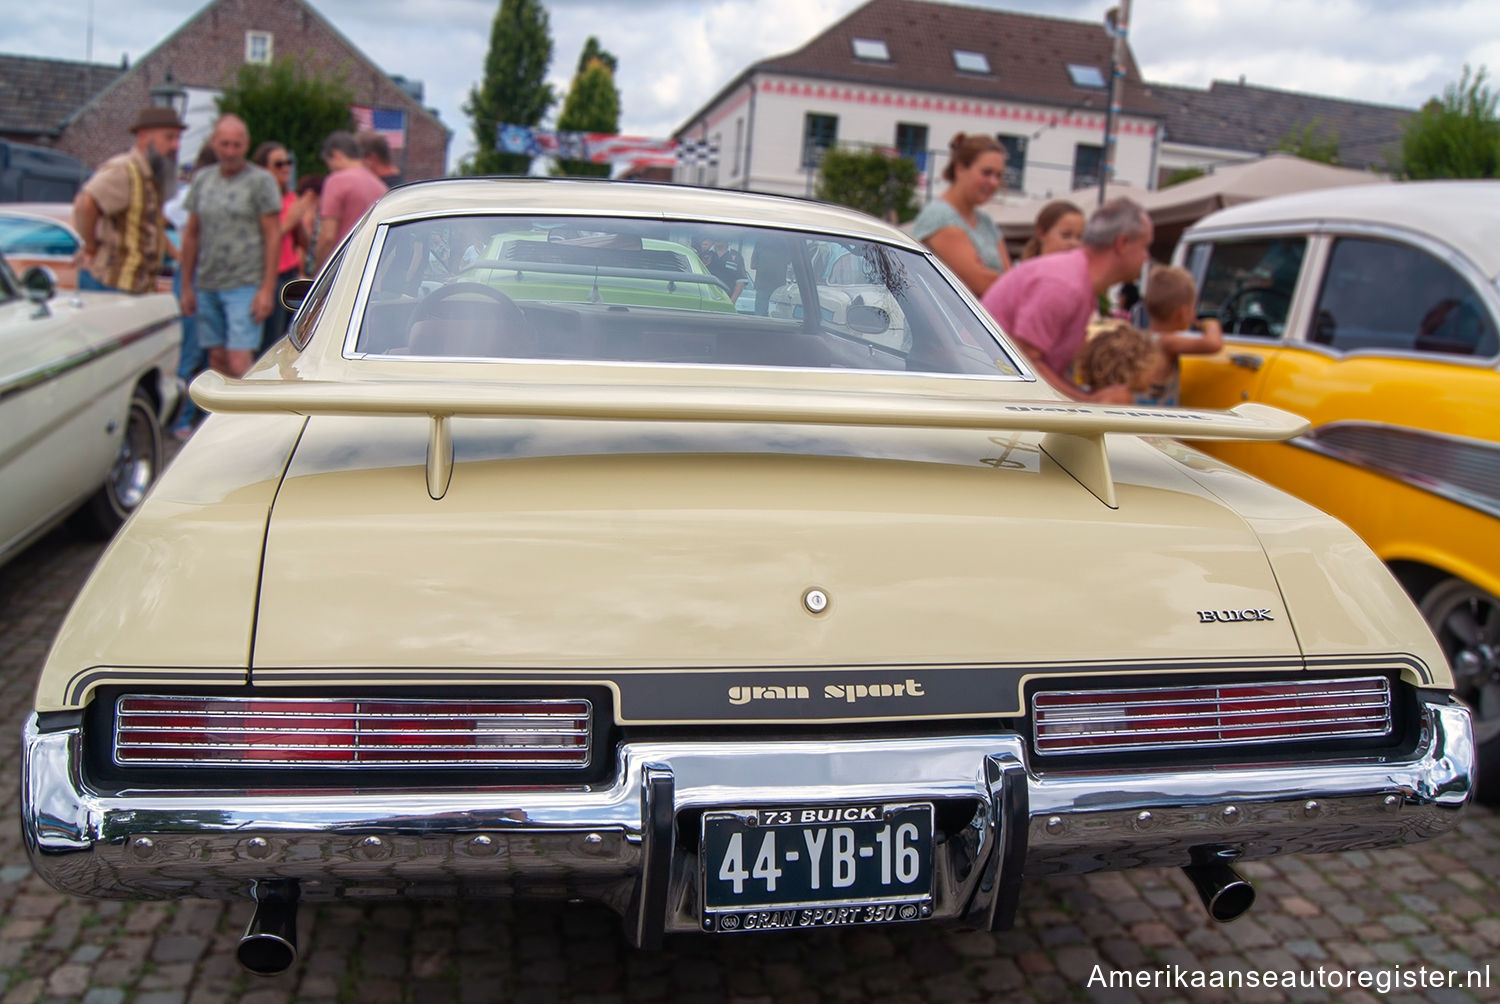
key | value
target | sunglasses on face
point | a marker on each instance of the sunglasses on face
(283, 162)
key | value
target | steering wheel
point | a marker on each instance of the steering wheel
(1237, 323)
(431, 304)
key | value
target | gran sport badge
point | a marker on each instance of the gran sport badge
(846, 692)
(1231, 616)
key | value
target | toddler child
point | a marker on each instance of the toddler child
(1171, 308)
(1118, 353)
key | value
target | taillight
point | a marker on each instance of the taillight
(310, 732)
(1099, 721)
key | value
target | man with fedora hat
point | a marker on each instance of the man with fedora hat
(118, 212)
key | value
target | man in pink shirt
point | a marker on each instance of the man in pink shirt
(349, 190)
(1044, 303)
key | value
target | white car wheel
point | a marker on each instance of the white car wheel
(134, 471)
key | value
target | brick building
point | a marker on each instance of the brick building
(39, 95)
(206, 52)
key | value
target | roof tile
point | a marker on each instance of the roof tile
(1028, 54)
(38, 95)
(1254, 119)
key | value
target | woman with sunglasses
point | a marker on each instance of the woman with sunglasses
(294, 214)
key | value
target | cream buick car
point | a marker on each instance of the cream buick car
(532, 565)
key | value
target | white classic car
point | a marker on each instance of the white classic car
(87, 381)
(846, 283)
(528, 583)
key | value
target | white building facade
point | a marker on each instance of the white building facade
(770, 125)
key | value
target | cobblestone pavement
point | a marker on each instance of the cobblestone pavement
(1436, 905)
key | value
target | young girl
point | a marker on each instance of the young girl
(1058, 227)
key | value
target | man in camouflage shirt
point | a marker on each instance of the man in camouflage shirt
(118, 212)
(230, 250)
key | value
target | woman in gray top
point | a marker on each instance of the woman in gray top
(965, 238)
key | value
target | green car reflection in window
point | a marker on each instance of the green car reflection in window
(561, 265)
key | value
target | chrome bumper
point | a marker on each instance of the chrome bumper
(631, 843)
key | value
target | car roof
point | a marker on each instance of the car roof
(627, 198)
(53, 212)
(1465, 215)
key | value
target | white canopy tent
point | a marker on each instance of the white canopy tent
(1276, 174)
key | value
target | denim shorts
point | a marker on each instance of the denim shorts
(224, 319)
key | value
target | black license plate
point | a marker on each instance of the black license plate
(816, 866)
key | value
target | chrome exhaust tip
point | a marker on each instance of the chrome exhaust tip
(1225, 894)
(269, 945)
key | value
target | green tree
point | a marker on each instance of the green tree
(1312, 141)
(514, 90)
(869, 180)
(290, 104)
(1455, 136)
(592, 105)
(592, 50)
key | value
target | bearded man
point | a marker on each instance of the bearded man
(118, 212)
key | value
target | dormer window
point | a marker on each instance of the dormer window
(872, 49)
(258, 47)
(971, 62)
(1086, 76)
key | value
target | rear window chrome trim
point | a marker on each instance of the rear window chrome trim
(381, 358)
(362, 295)
(1002, 343)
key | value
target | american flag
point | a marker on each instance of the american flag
(605, 148)
(389, 122)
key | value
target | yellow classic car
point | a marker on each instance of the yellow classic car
(87, 382)
(1374, 312)
(733, 622)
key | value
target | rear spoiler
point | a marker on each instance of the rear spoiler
(1073, 433)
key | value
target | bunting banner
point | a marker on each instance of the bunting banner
(603, 148)
(699, 151)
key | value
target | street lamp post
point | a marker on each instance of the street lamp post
(168, 95)
(1118, 22)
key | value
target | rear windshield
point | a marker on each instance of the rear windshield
(626, 290)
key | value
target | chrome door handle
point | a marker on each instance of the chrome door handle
(1246, 360)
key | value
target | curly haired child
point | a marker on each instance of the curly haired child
(1120, 353)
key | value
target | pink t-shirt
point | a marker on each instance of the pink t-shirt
(288, 258)
(346, 196)
(1046, 302)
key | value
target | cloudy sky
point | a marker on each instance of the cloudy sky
(675, 54)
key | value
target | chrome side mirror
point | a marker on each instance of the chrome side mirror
(40, 283)
(40, 286)
(294, 292)
(867, 320)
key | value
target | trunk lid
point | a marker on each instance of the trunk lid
(602, 551)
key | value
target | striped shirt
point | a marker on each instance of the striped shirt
(132, 231)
